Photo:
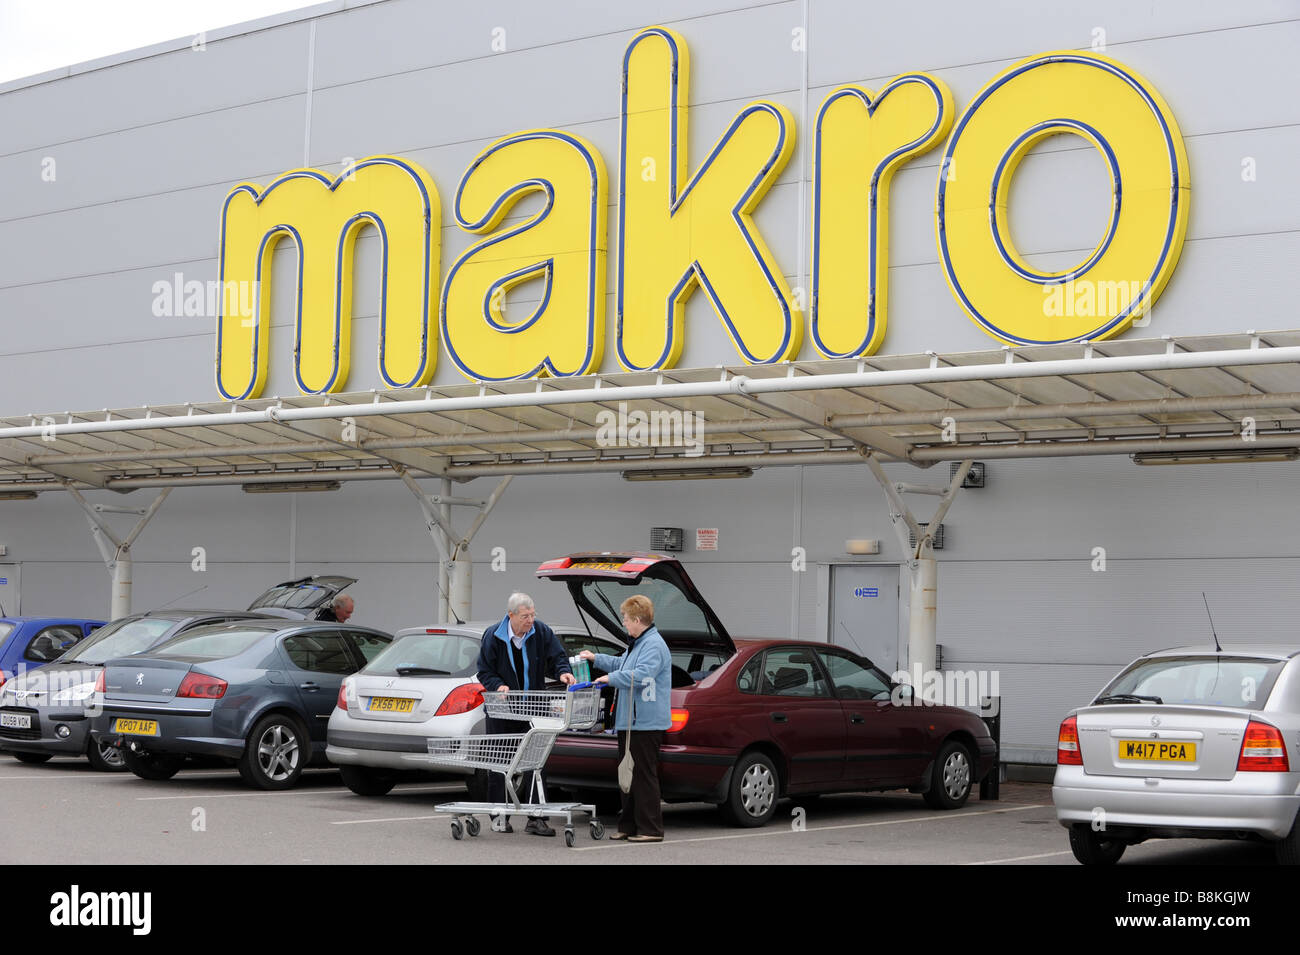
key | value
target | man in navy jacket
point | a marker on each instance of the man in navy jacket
(518, 654)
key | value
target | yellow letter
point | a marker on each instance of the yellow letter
(564, 244)
(322, 215)
(676, 235)
(860, 139)
(1117, 111)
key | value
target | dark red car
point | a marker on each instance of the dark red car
(761, 720)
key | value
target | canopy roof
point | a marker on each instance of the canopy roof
(1237, 395)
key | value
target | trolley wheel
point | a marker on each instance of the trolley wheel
(457, 830)
(472, 826)
(597, 829)
(569, 838)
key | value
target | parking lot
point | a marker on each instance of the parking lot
(209, 816)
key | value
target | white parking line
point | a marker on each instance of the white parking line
(287, 792)
(1041, 855)
(847, 825)
(105, 777)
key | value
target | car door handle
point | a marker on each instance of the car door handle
(778, 718)
(856, 718)
(308, 686)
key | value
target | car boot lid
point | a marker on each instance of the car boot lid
(583, 574)
(301, 598)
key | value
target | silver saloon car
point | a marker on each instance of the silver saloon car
(1185, 743)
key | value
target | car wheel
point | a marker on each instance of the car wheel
(32, 757)
(1093, 848)
(152, 765)
(755, 787)
(950, 779)
(105, 757)
(274, 753)
(1288, 850)
(365, 781)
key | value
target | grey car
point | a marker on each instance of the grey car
(256, 692)
(1185, 743)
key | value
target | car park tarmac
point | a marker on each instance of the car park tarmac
(206, 816)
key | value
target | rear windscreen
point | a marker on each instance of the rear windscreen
(1208, 681)
(211, 644)
(674, 614)
(451, 654)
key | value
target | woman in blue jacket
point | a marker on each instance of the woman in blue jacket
(643, 677)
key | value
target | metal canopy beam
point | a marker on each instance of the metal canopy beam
(455, 580)
(117, 557)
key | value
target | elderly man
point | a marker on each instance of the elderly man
(339, 610)
(518, 654)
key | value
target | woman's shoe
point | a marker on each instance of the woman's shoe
(645, 838)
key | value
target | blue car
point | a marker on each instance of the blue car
(30, 642)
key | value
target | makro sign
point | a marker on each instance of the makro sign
(680, 231)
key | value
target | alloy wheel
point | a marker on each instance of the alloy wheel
(757, 789)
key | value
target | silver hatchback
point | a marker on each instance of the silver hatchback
(1185, 743)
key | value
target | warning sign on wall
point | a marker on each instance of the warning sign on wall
(706, 538)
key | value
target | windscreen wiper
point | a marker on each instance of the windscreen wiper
(1127, 698)
(420, 671)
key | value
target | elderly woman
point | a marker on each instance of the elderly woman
(643, 677)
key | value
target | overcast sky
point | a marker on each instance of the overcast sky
(40, 35)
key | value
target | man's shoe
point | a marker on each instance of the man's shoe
(644, 838)
(501, 824)
(538, 827)
(616, 835)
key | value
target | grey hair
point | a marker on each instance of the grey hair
(518, 600)
(337, 602)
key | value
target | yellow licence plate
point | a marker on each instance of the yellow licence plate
(390, 704)
(604, 565)
(136, 727)
(1165, 751)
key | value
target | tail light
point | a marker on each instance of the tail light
(200, 686)
(1067, 744)
(100, 683)
(679, 720)
(1263, 750)
(466, 697)
(343, 695)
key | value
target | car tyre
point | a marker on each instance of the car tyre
(33, 758)
(275, 753)
(755, 788)
(153, 766)
(1093, 848)
(105, 757)
(1288, 850)
(365, 781)
(951, 777)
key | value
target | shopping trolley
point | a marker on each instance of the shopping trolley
(548, 713)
